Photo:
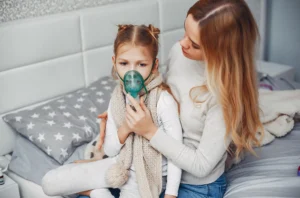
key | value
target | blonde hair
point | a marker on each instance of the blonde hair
(228, 34)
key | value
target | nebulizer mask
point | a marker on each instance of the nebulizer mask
(134, 82)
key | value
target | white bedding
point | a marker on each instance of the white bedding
(272, 174)
(29, 189)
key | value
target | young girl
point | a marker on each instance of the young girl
(135, 167)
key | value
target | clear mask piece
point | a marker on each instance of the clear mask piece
(133, 83)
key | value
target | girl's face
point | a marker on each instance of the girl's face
(190, 43)
(137, 58)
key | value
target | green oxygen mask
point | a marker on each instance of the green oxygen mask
(134, 83)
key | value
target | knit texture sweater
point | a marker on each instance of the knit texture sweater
(202, 154)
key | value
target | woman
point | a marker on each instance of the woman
(212, 76)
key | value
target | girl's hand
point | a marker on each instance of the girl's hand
(140, 120)
(170, 196)
(103, 117)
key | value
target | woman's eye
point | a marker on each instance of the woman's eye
(143, 65)
(123, 63)
(195, 47)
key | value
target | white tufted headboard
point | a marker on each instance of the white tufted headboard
(44, 57)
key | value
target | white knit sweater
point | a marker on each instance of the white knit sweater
(202, 154)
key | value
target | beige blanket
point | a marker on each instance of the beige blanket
(279, 110)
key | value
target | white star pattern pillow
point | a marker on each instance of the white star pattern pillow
(60, 126)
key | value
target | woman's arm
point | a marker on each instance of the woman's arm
(197, 161)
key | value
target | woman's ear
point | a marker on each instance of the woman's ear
(155, 68)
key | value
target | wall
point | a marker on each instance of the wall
(20, 9)
(283, 35)
(258, 9)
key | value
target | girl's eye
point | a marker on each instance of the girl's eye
(143, 65)
(123, 63)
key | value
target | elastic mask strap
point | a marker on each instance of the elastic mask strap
(151, 70)
(147, 93)
(119, 75)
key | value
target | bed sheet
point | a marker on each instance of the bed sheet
(272, 174)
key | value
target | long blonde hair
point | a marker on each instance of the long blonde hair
(228, 34)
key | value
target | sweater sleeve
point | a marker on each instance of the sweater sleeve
(168, 113)
(197, 161)
(169, 72)
(112, 145)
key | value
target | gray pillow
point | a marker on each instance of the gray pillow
(58, 127)
(31, 163)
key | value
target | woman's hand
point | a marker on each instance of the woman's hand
(103, 117)
(140, 120)
(123, 132)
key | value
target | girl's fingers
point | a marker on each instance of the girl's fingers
(102, 130)
(103, 115)
(134, 103)
(100, 142)
(130, 113)
(143, 106)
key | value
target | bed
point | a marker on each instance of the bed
(272, 174)
(44, 58)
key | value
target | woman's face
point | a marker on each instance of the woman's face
(136, 58)
(190, 43)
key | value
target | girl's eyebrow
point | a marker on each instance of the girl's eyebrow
(142, 60)
(122, 59)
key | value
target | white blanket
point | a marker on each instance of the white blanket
(278, 110)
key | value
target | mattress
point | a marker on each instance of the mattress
(272, 174)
